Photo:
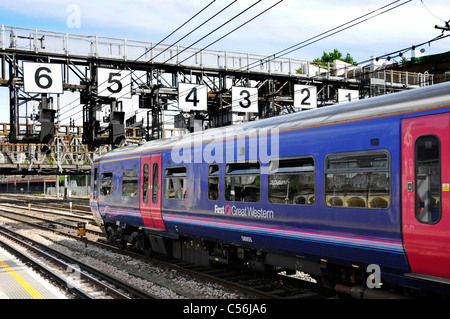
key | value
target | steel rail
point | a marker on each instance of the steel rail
(67, 261)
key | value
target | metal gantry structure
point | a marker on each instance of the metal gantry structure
(206, 89)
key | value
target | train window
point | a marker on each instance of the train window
(155, 184)
(213, 182)
(95, 186)
(145, 184)
(106, 184)
(292, 181)
(130, 183)
(428, 179)
(175, 183)
(358, 179)
(243, 182)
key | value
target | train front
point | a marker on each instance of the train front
(93, 198)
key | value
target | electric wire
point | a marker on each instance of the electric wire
(228, 21)
(323, 35)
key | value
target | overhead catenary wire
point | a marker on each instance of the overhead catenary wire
(148, 50)
(216, 29)
(293, 48)
(323, 35)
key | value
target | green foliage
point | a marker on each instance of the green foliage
(335, 55)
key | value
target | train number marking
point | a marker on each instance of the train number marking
(247, 239)
(114, 83)
(42, 78)
(305, 96)
(244, 99)
(345, 96)
(192, 97)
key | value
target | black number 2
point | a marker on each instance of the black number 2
(308, 94)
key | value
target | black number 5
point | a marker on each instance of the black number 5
(114, 81)
(38, 77)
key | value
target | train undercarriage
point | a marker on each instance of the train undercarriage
(348, 281)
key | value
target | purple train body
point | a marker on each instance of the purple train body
(329, 191)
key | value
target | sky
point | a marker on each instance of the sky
(289, 22)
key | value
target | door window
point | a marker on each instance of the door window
(428, 179)
(145, 185)
(155, 185)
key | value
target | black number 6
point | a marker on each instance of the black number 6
(38, 77)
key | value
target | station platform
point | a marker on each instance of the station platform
(18, 281)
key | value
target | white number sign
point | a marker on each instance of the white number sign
(114, 83)
(42, 78)
(305, 97)
(244, 99)
(345, 96)
(192, 97)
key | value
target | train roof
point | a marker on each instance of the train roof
(430, 97)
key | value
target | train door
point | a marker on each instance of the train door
(426, 194)
(150, 199)
(94, 195)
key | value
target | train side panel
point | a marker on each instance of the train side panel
(343, 234)
(118, 191)
(426, 194)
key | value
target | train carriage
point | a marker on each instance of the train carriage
(328, 191)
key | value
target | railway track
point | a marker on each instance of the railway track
(248, 285)
(53, 220)
(91, 282)
(77, 205)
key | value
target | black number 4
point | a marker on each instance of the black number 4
(193, 94)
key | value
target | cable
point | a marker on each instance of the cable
(293, 47)
(219, 27)
(190, 19)
(433, 13)
(232, 31)
(195, 29)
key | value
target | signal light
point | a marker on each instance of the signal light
(117, 128)
(47, 134)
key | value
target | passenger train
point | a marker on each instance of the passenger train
(345, 193)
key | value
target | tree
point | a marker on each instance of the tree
(335, 55)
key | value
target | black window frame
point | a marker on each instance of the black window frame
(155, 183)
(437, 185)
(178, 170)
(130, 183)
(285, 166)
(378, 202)
(239, 171)
(106, 183)
(211, 189)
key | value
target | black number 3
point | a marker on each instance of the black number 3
(246, 99)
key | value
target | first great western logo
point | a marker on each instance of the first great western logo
(246, 211)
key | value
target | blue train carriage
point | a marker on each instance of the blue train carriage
(329, 192)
